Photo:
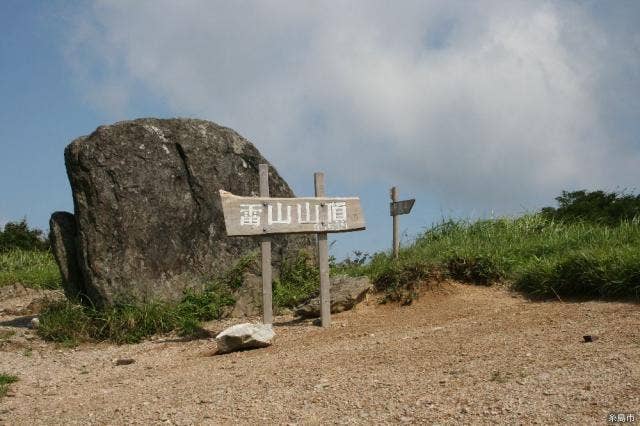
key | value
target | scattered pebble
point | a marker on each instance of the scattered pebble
(35, 322)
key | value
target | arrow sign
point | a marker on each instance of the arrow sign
(401, 207)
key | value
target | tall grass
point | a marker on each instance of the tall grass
(299, 280)
(70, 323)
(30, 268)
(537, 255)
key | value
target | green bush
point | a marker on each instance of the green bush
(608, 208)
(18, 236)
(70, 323)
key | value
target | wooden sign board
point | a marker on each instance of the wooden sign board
(266, 215)
(401, 207)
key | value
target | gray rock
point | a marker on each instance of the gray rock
(244, 336)
(149, 218)
(63, 234)
(346, 292)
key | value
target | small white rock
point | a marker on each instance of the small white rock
(35, 322)
(244, 336)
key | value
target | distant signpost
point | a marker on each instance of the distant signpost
(266, 215)
(397, 208)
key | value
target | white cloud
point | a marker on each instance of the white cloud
(487, 104)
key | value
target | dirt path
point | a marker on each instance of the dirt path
(461, 354)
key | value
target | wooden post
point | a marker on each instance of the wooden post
(396, 225)
(265, 246)
(323, 259)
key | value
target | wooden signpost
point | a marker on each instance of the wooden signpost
(397, 208)
(265, 216)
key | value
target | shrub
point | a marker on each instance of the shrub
(595, 206)
(17, 235)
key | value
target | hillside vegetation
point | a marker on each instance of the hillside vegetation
(589, 246)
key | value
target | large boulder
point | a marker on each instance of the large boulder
(148, 218)
(345, 293)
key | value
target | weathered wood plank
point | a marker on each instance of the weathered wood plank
(265, 215)
(396, 224)
(265, 247)
(323, 259)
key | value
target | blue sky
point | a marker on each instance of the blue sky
(473, 108)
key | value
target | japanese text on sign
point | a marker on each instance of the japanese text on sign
(335, 216)
(255, 215)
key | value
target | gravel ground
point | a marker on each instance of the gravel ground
(460, 354)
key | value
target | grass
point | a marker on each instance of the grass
(299, 281)
(35, 269)
(536, 255)
(70, 323)
(5, 381)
